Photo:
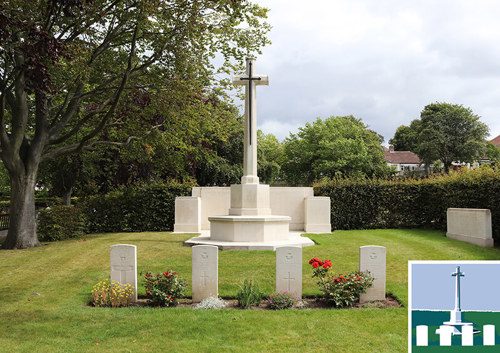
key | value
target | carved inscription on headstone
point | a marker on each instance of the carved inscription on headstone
(123, 259)
(204, 271)
(289, 270)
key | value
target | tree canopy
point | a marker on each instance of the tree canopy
(337, 146)
(65, 67)
(445, 132)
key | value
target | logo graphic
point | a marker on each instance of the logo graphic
(453, 303)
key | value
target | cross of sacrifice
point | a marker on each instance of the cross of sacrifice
(289, 279)
(457, 274)
(250, 81)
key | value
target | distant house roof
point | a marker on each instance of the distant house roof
(400, 157)
(496, 141)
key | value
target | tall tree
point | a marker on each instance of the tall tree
(405, 137)
(341, 145)
(449, 133)
(270, 157)
(64, 66)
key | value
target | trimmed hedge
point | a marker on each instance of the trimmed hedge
(59, 223)
(410, 203)
(134, 209)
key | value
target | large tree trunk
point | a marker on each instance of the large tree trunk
(66, 197)
(22, 226)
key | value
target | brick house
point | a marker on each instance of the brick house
(402, 161)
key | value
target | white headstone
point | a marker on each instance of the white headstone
(445, 333)
(289, 270)
(372, 258)
(467, 335)
(123, 259)
(422, 335)
(489, 335)
(205, 262)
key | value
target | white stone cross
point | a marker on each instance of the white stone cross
(457, 274)
(250, 80)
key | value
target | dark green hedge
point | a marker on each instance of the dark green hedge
(59, 223)
(377, 203)
(134, 209)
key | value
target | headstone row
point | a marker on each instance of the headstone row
(205, 260)
(446, 332)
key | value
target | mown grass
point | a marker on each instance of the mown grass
(63, 273)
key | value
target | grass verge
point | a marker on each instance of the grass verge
(63, 273)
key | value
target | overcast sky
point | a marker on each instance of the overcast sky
(381, 61)
(433, 286)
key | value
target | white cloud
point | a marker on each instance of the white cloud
(380, 61)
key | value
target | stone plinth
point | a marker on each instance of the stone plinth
(317, 215)
(294, 239)
(123, 260)
(187, 214)
(470, 225)
(289, 270)
(249, 200)
(249, 228)
(204, 262)
(372, 258)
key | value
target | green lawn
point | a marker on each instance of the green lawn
(59, 320)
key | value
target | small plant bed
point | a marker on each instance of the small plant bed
(313, 303)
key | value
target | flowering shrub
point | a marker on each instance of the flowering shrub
(112, 294)
(320, 268)
(164, 289)
(283, 300)
(340, 290)
(344, 290)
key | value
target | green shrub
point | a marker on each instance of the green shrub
(249, 294)
(339, 291)
(343, 291)
(283, 300)
(164, 289)
(112, 294)
(411, 203)
(134, 209)
(59, 223)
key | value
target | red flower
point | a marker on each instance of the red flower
(315, 264)
(314, 259)
(175, 273)
(342, 278)
(147, 292)
(358, 278)
(327, 264)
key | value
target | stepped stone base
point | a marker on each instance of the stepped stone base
(294, 239)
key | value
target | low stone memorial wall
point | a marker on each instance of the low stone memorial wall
(472, 225)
